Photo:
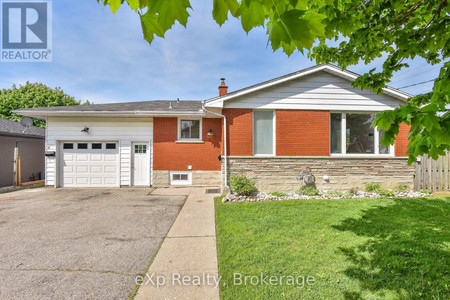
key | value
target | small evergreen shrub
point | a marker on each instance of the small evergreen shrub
(278, 194)
(242, 185)
(401, 187)
(372, 187)
(308, 191)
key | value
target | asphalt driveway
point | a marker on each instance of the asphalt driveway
(79, 243)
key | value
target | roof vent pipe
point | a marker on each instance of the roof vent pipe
(178, 100)
(170, 105)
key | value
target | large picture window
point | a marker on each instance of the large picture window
(360, 134)
(358, 138)
(263, 136)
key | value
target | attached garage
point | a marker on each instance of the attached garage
(112, 152)
(89, 164)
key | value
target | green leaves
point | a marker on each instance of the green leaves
(134, 4)
(295, 29)
(221, 9)
(157, 16)
(150, 26)
(169, 11)
(31, 95)
(290, 24)
(252, 15)
(114, 5)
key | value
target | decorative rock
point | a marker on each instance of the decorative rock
(263, 196)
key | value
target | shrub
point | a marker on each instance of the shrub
(426, 192)
(353, 192)
(242, 185)
(308, 191)
(372, 187)
(278, 194)
(386, 193)
(401, 187)
(335, 194)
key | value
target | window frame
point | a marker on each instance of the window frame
(180, 182)
(274, 148)
(199, 139)
(391, 150)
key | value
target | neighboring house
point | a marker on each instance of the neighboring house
(311, 118)
(30, 142)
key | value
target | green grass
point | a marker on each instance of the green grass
(355, 249)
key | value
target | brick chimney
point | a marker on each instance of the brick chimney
(223, 88)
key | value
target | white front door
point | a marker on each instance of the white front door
(140, 164)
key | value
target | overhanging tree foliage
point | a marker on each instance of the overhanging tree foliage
(32, 95)
(365, 30)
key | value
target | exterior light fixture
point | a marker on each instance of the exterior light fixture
(85, 129)
(210, 132)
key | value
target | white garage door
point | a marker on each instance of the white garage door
(89, 164)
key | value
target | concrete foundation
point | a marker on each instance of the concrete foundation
(199, 178)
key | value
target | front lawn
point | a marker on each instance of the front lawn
(354, 249)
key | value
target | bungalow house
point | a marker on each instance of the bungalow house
(270, 131)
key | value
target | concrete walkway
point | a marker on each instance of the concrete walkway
(186, 264)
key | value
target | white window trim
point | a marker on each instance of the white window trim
(274, 151)
(179, 139)
(180, 182)
(344, 139)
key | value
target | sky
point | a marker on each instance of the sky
(103, 58)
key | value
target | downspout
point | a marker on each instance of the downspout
(224, 147)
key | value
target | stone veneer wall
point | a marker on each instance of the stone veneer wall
(279, 173)
(199, 178)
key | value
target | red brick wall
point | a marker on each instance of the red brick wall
(172, 156)
(239, 131)
(303, 133)
(401, 141)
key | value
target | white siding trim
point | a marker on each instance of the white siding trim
(320, 91)
(332, 70)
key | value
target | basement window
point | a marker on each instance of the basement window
(180, 178)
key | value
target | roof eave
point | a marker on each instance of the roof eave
(23, 135)
(43, 114)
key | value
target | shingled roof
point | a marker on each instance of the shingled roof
(12, 128)
(141, 107)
